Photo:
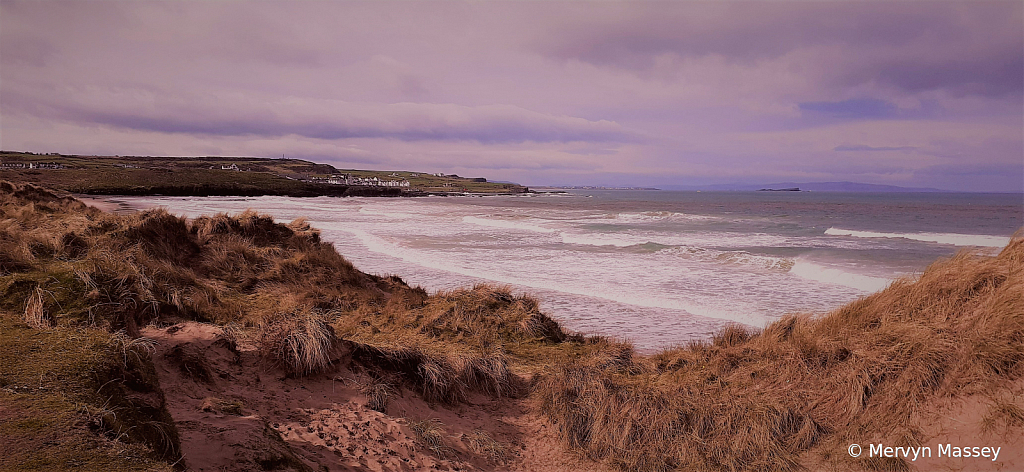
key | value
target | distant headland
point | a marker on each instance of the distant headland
(234, 176)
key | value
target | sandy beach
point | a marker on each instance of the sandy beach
(110, 204)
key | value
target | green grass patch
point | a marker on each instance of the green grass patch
(81, 399)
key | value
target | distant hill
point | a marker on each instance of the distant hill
(245, 176)
(811, 186)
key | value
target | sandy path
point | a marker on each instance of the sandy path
(238, 412)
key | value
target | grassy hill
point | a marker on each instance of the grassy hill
(135, 175)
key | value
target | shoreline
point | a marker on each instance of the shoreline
(107, 204)
(480, 378)
(384, 237)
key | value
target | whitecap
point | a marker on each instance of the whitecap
(954, 239)
(818, 273)
(506, 224)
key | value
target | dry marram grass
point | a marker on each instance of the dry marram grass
(752, 400)
(745, 400)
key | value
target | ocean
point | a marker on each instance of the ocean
(659, 268)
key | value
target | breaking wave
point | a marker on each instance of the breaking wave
(828, 275)
(954, 239)
(506, 224)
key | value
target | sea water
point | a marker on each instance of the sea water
(659, 268)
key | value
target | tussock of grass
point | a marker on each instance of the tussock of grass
(495, 451)
(379, 392)
(35, 314)
(458, 341)
(302, 340)
(432, 434)
(752, 400)
(442, 376)
(1003, 413)
(132, 350)
(227, 407)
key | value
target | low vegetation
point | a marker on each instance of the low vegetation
(71, 275)
(755, 400)
(82, 399)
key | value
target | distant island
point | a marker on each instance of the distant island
(235, 176)
(791, 189)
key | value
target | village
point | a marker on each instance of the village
(30, 165)
(340, 179)
(348, 179)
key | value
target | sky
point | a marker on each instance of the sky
(640, 93)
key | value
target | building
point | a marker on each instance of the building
(30, 165)
(376, 182)
(347, 179)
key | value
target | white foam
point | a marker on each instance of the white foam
(818, 273)
(645, 216)
(630, 297)
(593, 239)
(941, 238)
(730, 257)
(719, 240)
(765, 262)
(506, 224)
(658, 216)
(389, 214)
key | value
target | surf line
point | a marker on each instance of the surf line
(378, 245)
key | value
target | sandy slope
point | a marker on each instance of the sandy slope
(955, 422)
(247, 415)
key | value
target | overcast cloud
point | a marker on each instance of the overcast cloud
(571, 93)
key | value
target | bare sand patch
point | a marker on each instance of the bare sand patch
(248, 414)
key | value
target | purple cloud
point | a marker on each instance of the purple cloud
(546, 92)
(241, 116)
(911, 47)
(857, 108)
(866, 148)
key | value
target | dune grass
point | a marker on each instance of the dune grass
(431, 433)
(81, 399)
(755, 400)
(301, 340)
(277, 284)
(744, 400)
